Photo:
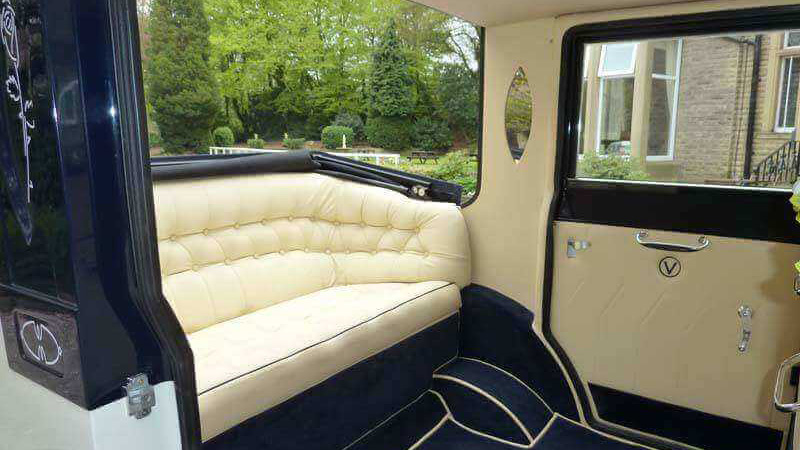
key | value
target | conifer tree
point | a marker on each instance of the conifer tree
(181, 87)
(391, 85)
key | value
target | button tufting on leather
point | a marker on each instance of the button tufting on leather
(172, 238)
(205, 231)
(328, 252)
(195, 267)
(227, 261)
(236, 226)
(290, 218)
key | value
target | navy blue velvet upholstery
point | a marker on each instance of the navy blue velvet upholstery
(338, 411)
(453, 437)
(478, 412)
(515, 396)
(498, 330)
(564, 435)
(405, 428)
(681, 424)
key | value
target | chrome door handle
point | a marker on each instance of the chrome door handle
(702, 241)
(783, 373)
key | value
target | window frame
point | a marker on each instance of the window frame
(786, 45)
(714, 209)
(782, 91)
(673, 125)
(630, 71)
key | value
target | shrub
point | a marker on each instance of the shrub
(391, 133)
(457, 167)
(611, 167)
(294, 143)
(235, 124)
(332, 136)
(431, 134)
(155, 139)
(352, 121)
(223, 137)
(256, 142)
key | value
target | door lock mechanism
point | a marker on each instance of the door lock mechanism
(746, 316)
(574, 246)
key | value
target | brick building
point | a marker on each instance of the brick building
(697, 109)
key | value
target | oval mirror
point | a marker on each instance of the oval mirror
(519, 114)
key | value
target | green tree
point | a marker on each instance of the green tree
(183, 90)
(459, 98)
(391, 85)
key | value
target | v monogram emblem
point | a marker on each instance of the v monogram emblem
(669, 267)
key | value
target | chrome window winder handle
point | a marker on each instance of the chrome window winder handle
(703, 244)
(783, 374)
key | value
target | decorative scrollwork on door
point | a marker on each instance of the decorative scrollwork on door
(14, 84)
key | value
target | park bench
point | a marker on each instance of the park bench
(423, 157)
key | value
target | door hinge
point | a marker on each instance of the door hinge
(141, 396)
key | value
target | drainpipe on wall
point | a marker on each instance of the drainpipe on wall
(751, 119)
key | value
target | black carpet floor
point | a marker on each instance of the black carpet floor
(473, 405)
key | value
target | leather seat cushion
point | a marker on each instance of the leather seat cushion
(254, 362)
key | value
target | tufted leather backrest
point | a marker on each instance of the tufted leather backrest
(230, 246)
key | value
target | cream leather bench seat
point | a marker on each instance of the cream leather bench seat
(283, 280)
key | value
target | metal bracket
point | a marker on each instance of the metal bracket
(746, 315)
(574, 246)
(141, 396)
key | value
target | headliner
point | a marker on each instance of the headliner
(500, 12)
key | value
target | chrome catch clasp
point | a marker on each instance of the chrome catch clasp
(746, 316)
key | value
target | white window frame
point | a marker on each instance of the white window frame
(673, 126)
(781, 91)
(617, 73)
(786, 39)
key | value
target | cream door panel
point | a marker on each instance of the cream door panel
(627, 327)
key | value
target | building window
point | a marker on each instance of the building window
(787, 97)
(618, 60)
(664, 89)
(616, 72)
(791, 39)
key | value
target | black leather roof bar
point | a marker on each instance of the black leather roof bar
(199, 166)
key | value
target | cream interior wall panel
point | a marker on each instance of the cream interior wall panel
(506, 219)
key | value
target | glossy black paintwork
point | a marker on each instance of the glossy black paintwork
(76, 273)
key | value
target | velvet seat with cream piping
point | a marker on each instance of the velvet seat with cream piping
(283, 280)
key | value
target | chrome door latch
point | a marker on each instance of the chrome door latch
(783, 377)
(746, 316)
(574, 246)
(141, 396)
